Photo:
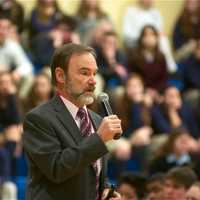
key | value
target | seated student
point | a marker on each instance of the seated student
(178, 150)
(44, 44)
(134, 108)
(155, 187)
(89, 14)
(177, 182)
(186, 29)
(9, 111)
(43, 17)
(148, 61)
(194, 192)
(111, 61)
(12, 55)
(189, 73)
(174, 113)
(132, 186)
(40, 92)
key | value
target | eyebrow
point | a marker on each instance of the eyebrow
(85, 68)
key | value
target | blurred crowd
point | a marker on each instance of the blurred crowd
(153, 82)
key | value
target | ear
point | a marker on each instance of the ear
(60, 75)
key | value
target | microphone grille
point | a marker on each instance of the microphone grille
(103, 97)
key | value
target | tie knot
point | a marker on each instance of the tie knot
(81, 113)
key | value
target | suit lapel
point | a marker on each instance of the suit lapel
(94, 120)
(66, 119)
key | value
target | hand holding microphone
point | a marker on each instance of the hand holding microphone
(110, 128)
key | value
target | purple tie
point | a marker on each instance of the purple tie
(85, 123)
(86, 130)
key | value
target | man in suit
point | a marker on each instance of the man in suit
(63, 140)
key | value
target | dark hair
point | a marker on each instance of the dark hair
(190, 27)
(138, 56)
(168, 146)
(71, 22)
(183, 176)
(124, 105)
(4, 15)
(158, 177)
(136, 181)
(63, 54)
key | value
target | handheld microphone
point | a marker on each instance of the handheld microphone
(104, 99)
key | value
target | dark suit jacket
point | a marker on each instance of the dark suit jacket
(59, 158)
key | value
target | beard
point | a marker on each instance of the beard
(82, 96)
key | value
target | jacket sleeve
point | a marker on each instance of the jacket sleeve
(44, 149)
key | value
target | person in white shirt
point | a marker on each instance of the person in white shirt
(12, 55)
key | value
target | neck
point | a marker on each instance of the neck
(66, 96)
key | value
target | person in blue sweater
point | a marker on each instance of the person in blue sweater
(189, 69)
(174, 113)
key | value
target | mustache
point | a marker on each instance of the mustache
(88, 89)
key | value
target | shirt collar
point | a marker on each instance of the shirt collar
(73, 109)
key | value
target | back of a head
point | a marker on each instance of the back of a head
(184, 176)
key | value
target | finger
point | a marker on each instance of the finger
(116, 130)
(116, 194)
(112, 117)
(115, 121)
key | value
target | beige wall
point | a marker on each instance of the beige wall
(116, 9)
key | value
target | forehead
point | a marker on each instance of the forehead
(84, 60)
(173, 183)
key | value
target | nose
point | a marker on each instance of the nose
(92, 80)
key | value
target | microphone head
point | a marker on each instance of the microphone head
(103, 97)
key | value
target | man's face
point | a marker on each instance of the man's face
(193, 193)
(80, 79)
(174, 191)
(155, 191)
